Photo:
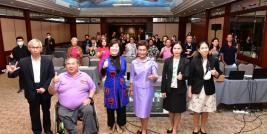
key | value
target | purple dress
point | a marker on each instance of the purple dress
(143, 87)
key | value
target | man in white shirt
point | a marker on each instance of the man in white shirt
(36, 73)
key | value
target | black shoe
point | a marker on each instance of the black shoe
(202, 132)
(169, 131)
(49, 132)
(139, 132)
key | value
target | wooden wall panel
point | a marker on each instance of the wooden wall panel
(93, 29)
(46, 28)
(198, 29)
(159, 29)
(36, 27)
(188, 28)
(67, 32)
(172, 29)
(20, 29)
(82, 29)
(219, 33)
(168, 29)
(9, 34)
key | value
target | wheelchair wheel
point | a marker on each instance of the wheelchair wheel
(59, 125)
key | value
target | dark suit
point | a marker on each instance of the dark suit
(183, 67)
(196, 75)
(49, 45)
(19, 53)
(175, 101)
(35, 99)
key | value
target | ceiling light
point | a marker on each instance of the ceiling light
(122, 4)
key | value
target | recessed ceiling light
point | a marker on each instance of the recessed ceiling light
(122, 4)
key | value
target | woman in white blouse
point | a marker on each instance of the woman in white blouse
(173, 86)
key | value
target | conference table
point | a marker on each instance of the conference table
(227, 92)
(91, 71)
(241, 91)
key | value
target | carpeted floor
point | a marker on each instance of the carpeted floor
(14, 116)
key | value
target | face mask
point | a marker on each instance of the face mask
(49, 37)
(20, 43)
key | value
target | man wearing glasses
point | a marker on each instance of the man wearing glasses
(36, 73)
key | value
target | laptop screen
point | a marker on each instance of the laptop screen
(260, 73)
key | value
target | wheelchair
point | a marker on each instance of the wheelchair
(59, 125)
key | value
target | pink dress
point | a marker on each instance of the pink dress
(105, 55)
(74, 52)
(167, 53)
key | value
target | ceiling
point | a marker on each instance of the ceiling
(110, 8)
(134, 3)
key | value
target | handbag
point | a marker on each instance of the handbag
(219, 79)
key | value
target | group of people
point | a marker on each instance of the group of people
(197, 64)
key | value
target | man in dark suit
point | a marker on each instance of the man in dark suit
(49, 44)
(17, 53)
(36, 73)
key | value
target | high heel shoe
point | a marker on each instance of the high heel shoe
(196, 132)
(169, 131)
(202, 132)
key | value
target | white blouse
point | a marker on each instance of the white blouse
(174, 72)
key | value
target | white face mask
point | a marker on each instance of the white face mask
(20, 43)
(49, 37)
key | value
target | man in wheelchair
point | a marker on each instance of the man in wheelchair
(75, 91)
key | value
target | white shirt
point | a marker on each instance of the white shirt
(36, 67)
(131, 49)
(174, 72)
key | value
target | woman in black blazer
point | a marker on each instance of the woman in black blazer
(173, 86)
(201, 88)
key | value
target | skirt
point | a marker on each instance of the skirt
(175, 102)
(202, 103)
(143, 98)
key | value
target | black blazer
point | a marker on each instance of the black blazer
(26, 74)
(183, 67)
(196, 75)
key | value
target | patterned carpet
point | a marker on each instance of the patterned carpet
(14, 116)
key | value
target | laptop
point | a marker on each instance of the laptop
(236, 75)
(260, 73)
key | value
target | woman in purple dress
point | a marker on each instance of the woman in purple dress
(143, 75)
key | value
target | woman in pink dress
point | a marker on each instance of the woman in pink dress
(102, 52)
(75, 51)
(166, 50)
